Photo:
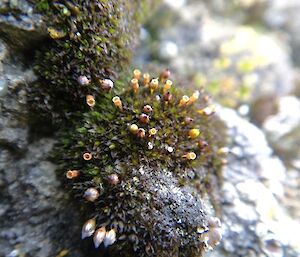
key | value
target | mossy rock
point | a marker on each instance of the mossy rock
(86, 38)
(140, 163)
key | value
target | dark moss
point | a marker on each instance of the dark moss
(156, 206)
(86, 38)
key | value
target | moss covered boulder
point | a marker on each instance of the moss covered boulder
(141, 162)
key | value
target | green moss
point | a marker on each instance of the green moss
(105, 133)
(154, 203)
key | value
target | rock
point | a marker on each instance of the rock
(282, 16)
(13, 121)
(20, 25)
(283, 129)
(34, 208)
(283, 132)
(33, 204)
(254, 221)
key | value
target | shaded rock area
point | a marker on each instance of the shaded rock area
(20, 25)
(36, 218)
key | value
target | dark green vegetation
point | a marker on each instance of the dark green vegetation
(86, 38)
(147, 182)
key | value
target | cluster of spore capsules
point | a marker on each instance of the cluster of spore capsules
(150, 122)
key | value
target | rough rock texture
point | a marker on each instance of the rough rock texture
(33, 204)
(13, 121)
(255, 222)
(36, 218)
(283, 130)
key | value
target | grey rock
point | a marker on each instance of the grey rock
(283, 130)
(253, 220)
(36, 216)
(32, 202)
(13, 121)
(283, 17)
(19, 24)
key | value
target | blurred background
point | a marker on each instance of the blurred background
(246, 53)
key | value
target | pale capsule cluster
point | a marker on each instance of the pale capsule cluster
(144, 118)
(153, 85)
(186, 100)
(105, 84)
(140, 132)
(100, 235)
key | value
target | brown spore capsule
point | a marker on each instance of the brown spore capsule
(71, 174)
(118, 103)
(183, 101)
(152, 132)
(133, 128)
(106, 84)
(90, 100)
(167, 86)
(135, 85)
(137, 74)
(146, 79)
(188, 120)
(87, 156)
(83, 80)
(164, 75)
(167, 97)
(141, 133)
(153, 85)
(190, 156)
(144, 118)
(147, 109)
